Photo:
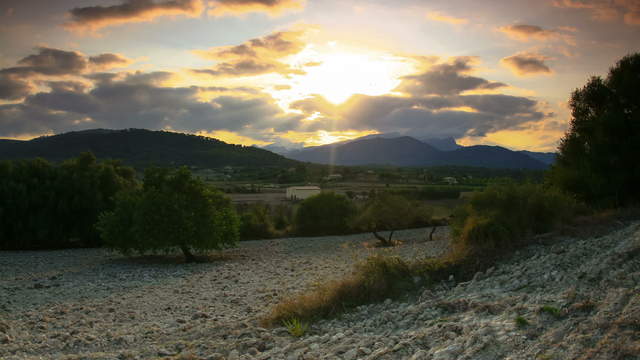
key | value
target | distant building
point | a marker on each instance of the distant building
(302, 192)
(450, 180)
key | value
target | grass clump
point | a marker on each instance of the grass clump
(296, 327)
(553, 311)
(375, 279)
(521, 321)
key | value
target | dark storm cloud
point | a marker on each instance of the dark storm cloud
(526, 64)
(95, 17)
(446, 79)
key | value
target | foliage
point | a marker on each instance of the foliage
(44, 206)
(503, 218)
(256, 223)
(296, 327)
(173, 210)
(597, 155)
(553, 311)
(389, 212)
(521, 321)
(324, 214)
(375, 279)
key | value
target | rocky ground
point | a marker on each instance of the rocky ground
(572, 298)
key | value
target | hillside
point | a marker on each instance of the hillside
(408, 151)
(141, 148)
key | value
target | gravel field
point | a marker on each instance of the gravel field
(94, 304)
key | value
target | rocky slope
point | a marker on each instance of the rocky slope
(572, 298)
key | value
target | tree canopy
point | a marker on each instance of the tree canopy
(598, 154)
(172, 211)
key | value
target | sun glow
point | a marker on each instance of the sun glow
(337, 72)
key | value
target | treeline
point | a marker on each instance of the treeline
(46, 206)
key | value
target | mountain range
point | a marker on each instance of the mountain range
(140, 148)
(397, 150)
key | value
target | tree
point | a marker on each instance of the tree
(173, 210)
(388, 212)
(324, 214)
(597, 155)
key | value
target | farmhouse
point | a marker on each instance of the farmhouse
(302, 192)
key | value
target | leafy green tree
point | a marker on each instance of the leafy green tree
(388, 212)
(173, 210)
(44, 206)
(324, 214)
(597, 155)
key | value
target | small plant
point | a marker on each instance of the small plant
(553, 311)
(296, 327)
(521, 321)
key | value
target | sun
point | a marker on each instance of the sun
(337, 72)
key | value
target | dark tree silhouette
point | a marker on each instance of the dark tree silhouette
(597, 157)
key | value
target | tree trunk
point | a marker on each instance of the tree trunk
(383, 242)
(433, 230)
(188, 256)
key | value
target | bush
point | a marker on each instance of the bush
(388, 212)
(505, 217)
(173, 210)
(46, 206)
(324, 214)
(256, 223)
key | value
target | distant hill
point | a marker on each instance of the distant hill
(141, 148)
(408, 151)
(546, 157)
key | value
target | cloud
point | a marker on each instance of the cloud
(13, 88)
(238, 7)
(526, 64)
(56, 62)
(446, 79)
(606, 10)
(438, 16)
(130, 11)
(523, 32)
(439, 116)
(49, 61)
(256, 56)
(109, 61)
(138, 100)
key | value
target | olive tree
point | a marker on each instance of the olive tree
(172, 211)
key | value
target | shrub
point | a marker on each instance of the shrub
(173, 210)
(388, 212)
(256, 223)
(324, 214)
(44, 206)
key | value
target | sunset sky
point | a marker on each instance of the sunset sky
(296, 72)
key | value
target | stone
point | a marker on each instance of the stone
(350, 355)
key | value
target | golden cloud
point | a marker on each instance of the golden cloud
(239, 7)
(527, 64)
(438, 16)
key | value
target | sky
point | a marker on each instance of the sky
(300, 73)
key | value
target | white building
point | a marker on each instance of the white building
(450, 180)
(302, 192)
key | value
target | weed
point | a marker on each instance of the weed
(521, 321)
(296, 327)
